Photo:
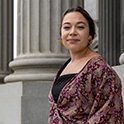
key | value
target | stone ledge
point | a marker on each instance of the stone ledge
(29, 77)
(120, 71)
(11, 89)
(42, 62)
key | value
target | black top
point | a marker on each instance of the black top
(60, 82)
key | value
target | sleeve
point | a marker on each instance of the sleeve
(107, 107)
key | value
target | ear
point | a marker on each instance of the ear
(90, 38)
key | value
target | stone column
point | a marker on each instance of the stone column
(109, 30)
(39, 55)
(6, 37)
(39, 52)
(122, 26)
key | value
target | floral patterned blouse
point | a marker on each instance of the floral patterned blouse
(92, 96)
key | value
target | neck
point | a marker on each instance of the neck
(75, 56)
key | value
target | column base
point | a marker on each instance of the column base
(35, 68)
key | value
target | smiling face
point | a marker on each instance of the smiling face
(75, 32)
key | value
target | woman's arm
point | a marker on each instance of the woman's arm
(107, 107)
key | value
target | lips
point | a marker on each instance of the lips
(73, 40)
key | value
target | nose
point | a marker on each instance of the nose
(73, 31)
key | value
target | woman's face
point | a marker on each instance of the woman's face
(75, 32)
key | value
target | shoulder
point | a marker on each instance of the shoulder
(99, 64)
(98, 61)
(100, 68)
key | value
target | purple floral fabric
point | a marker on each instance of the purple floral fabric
(92, 96)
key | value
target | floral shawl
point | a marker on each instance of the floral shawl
(92, 96)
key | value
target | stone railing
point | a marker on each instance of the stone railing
(120, 71)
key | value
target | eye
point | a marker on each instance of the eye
(66, 27)
(81, 27)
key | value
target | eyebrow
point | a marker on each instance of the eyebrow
(77, 23)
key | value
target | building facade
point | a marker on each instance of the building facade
(23, 93)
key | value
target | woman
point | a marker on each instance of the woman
(86, 89)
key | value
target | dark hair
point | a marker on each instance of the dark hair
(85, 14)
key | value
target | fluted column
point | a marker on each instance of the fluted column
(39, 56)
(6, 37)
(39, 52)
(122, 26)
(109, 30)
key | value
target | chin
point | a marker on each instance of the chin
(74, 50)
